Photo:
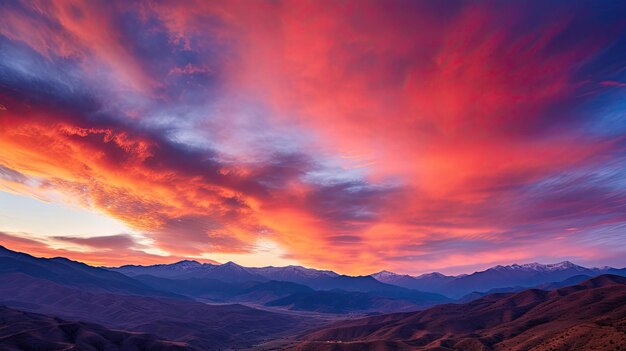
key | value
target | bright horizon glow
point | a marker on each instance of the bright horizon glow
(53, 218)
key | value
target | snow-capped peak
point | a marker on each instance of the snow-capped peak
(186, 264)
(385, 274)
(292, 271)
(562, 265)
(538, 267)
(232, 266)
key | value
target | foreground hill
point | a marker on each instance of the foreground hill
(201, 325)
(547, 286)
(29, 331)
(587, 316)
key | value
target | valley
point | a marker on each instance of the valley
(188, 305)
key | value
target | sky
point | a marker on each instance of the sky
(410, 136)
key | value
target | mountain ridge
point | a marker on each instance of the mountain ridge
(589, 315)
(496, 277)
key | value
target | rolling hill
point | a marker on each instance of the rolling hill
(201, 325)
(588, 316)
(29, 331)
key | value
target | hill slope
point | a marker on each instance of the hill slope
(29, 331)
(587, 316)
(201, 325)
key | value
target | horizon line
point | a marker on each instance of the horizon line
(312, 268)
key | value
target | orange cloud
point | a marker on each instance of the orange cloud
(357, 137)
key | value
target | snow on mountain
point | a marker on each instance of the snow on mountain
(425, 282)
(231, 266)
(501, 276)
(538, 267)
(386, 275)
(516, 275)
(184, 265)
(229, 271)
(164, 270)
(295, 274)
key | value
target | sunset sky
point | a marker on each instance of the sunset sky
(411, 136)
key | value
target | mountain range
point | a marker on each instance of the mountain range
(301, 288)
(200, 306)
(515, 276)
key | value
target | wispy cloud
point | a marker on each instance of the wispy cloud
(210, 126)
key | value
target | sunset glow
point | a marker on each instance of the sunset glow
(346, 135)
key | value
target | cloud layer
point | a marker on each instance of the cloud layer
(357, 137)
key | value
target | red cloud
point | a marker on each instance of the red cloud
(458, 114)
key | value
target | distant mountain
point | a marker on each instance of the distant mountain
(227, 272)
(297, 296)
(226, 283)
(393, 278)
(349, 283)
(588, 316)
(219, 282)
(499, 278)
(510, 278)
(426, 282)
(294, 274)
(526, 275)
(203, 288)
(232, 272)
(172, 270)
(217, 290)
(263, 292)
(72, 273)
(29, 331)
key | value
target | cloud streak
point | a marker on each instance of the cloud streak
(396, 135)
